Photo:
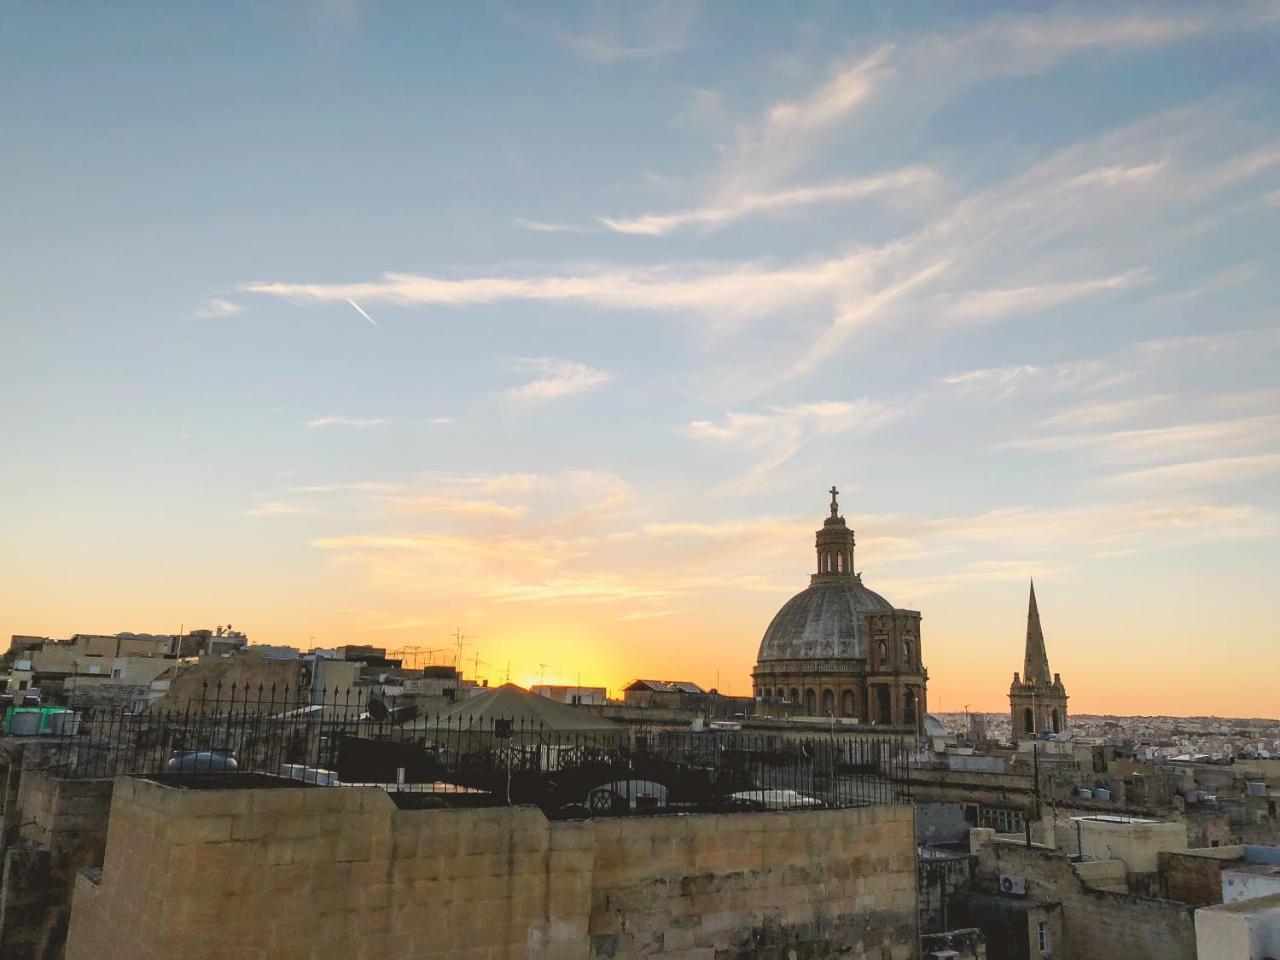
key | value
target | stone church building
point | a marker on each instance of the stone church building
(839, 649)
(1036, 703)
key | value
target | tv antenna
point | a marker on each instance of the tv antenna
(542, 673)
(460, 640)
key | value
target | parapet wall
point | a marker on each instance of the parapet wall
(312, 873)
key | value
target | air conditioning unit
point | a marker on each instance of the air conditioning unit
(1012, 884)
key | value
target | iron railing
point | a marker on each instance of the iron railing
(585, 767)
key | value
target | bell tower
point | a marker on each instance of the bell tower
(1037, 704)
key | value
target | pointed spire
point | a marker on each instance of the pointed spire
(1035, 665)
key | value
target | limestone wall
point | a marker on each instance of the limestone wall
(312, 873)
(1245, 930)
(1195, 877)
(58, 827)
(1137, 844)
(1096, 923)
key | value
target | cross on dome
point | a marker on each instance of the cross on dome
(835, 507)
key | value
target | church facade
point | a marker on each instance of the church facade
(1036, 703)
(839, 649)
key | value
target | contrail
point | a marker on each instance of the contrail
(360, 310)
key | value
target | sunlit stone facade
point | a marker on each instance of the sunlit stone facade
(839, 649)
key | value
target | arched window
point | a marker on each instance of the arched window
(909, 706)
(795, 695)
(884, 705)
(828, 703)
(846, 704)
(906, 652)
(884, 652)
(1056, 721)
(810, 703)
(840, 562)
(1029, 721)
(766, 693)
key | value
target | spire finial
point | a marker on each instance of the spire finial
(835, 507)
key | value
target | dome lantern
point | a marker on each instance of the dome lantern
(834, 544)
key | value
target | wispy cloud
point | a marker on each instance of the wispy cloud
(1222, 280)
(1049, 236)
(543, 226)
(779, 433)
(1213, 472)
(505, 553)
(278, 508)
(1117, 175)
(1003, 382)
(582, 589)
(1106, 412)
(748, 204)
(911, 79)
(790, 129)
(982, 305)
(1098, 528)
(645, 615)
(215, 308)
(557, 378)
(624, 31)
(359, 422)
(463, 495)
(450, 505)
(1213, 438)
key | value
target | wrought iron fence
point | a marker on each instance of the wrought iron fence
(573, 767)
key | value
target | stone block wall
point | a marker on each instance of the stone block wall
(785, 885)
(59, 826)
(316, 873)
(1196, 877)
(1095, 922)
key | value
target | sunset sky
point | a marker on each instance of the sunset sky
(352, 322)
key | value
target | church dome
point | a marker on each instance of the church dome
(826, 621)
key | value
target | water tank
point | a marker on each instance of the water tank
(203, 761)
(24, 723)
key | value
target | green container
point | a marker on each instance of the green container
(32, 721)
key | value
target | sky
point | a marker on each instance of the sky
(552, 324)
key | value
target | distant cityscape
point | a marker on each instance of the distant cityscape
(1038, 832)
(1216, 739)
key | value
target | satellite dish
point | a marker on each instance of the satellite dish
(378, 710)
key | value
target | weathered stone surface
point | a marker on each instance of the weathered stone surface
(368, 879)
